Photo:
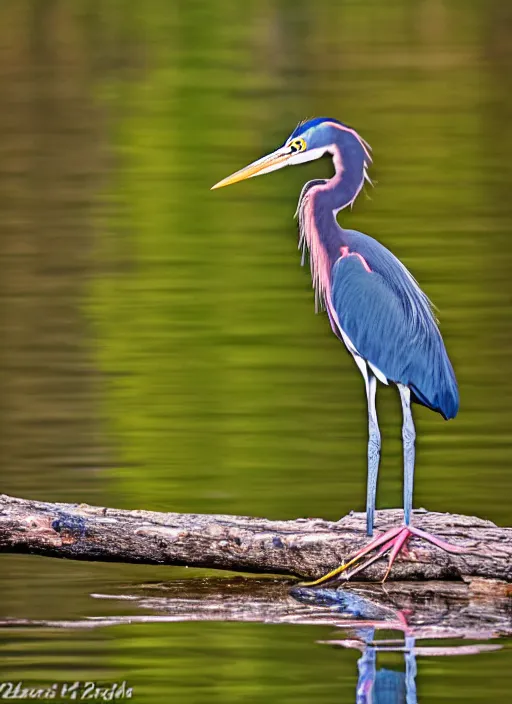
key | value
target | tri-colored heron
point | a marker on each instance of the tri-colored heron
(374, 304)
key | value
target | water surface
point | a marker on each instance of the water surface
(159, 343)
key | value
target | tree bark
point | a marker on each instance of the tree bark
(305, 548)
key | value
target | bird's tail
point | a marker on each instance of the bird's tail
(440, 392)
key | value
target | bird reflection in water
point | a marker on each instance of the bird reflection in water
(365, 617)
(383, 686)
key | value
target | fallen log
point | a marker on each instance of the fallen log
(304, 548)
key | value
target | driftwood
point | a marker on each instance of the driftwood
(304, 548)
(422, 610)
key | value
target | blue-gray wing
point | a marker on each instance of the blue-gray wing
(391, 325)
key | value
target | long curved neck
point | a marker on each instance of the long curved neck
(320, 201)
(350, 158)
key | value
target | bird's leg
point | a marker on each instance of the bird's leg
(373, 453)
(395, 539)
(370, 381)
(408, 439)
(367, 669)
(411, 671)
(398, 541)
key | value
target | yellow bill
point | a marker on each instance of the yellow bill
(268, 163)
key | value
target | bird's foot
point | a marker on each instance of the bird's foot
(393, 541)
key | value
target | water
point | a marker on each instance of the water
(159, 346)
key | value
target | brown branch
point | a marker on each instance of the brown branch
(302, 548)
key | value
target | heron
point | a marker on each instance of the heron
(375, 307)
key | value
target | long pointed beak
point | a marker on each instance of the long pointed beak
(268, 163)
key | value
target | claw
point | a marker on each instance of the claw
(394, 540)
(447, 547)
(399, 542)
(373, 545)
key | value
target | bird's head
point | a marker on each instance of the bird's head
(310, 140)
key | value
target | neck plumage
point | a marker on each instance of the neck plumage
(319, 203)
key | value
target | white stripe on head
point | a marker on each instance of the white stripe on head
(308, 155)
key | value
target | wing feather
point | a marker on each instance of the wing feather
(391, 324)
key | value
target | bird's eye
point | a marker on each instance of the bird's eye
(298, 145)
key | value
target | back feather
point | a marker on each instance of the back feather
(391, 323)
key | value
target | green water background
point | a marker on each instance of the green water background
(159, 343)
